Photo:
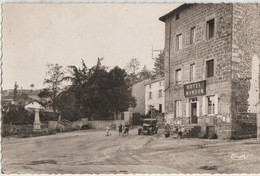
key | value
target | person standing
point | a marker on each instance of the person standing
(120, 128)
(108, 131)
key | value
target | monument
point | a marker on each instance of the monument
(35, 106)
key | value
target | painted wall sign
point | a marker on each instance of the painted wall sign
(195, 89)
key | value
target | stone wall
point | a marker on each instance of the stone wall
(12, 129)
(102, 124)
(245, 69)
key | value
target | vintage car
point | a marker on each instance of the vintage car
(149, 127)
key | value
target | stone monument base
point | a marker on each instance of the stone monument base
(36, 126)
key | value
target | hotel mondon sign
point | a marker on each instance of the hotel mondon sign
(195, 89)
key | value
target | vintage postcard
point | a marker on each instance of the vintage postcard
(130, 88)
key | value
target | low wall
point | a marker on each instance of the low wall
(11, 129)
(102, 124)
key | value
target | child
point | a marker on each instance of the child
(108, 131)
(120, 129)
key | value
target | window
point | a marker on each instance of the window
(192, 72)
(160, 93)
(178, 108)
(177, 16)
(210, 68)
(211, 105)
(210, 28)
(150, 86)
(178, 76)
(150, 95)
(160, 83)
(178, 42)
(192, 35)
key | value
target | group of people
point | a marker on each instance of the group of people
(123, 130)
(178, 129)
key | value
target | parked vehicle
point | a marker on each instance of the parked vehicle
(149, 127)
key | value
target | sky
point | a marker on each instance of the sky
(35, 34)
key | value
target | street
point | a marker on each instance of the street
(92, 152)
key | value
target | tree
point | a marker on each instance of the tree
(15, 91)
(55, 77)
(159, 65)
(121, 93)
(32, 86)
(106, 93)
(95, 94)
(78, 77)
(68, 107)
(144, 73)
(132, 68)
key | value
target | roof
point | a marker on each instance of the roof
(155, 80)
(33, 105)
(176, 10)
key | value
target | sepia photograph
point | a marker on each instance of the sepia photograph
(130, 88)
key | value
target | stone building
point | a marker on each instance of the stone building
(212, 75)
(154, 95)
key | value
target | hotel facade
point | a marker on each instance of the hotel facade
(212, 68)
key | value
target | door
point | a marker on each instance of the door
(194, 118)
(160, 107)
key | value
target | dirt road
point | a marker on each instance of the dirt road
(91, 152)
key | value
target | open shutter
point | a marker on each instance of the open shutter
(216, 104)
(187, 109)
(204, 105)
(180, 108)
(180, 41)
(198, 109)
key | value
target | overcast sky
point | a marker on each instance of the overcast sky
(37, 34)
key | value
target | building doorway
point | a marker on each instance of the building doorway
(160, 107)
(194, 118)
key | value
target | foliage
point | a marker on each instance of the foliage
(67, 105)
(95, 92)
(144, 74)
(121, 97)
(159, 65)
(133, 66)
(132, 69)
(16, 113)
(32, 86)
(55, 77)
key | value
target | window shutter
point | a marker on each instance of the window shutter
(180, 105)
(180, 41)
(187, 110)
(204, 105)
(216, 104)
(198, 109)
